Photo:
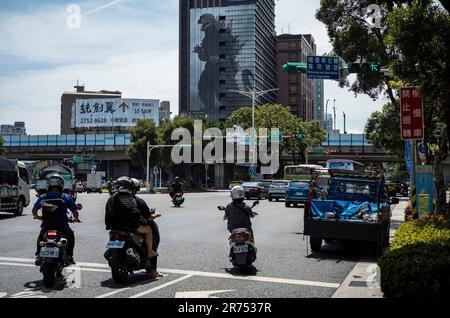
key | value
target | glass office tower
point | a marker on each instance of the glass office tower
(225, 46)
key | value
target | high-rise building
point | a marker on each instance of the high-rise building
(18, 129)
(164, 111)
(296, 90)
(319, 100)
(225, 46)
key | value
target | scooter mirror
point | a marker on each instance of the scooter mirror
(221, 208)
(255, 204)
(79, 206)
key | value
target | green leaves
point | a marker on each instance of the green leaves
(2, 150)
(419, 262)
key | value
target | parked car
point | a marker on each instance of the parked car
(277, 190)
(255, 190)
(297, 193)
(266, 184)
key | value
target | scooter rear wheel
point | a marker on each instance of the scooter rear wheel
(119, 274)
(49, 274)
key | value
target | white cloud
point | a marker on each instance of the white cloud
(131, 46)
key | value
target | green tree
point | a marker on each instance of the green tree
(165, 138)
(241, 117)
(354, 41)
(420, 33)
(143, 132)
(382, 130)
(2, 150)
(290, 126)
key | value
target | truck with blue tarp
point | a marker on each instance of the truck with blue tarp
(356, 208)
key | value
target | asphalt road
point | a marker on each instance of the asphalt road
(193, 255)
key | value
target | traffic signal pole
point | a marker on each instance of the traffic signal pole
(413, 180)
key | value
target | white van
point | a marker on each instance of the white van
(14, 186)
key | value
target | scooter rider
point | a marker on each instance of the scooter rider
(237, 212)
(176, 186)
(122, 213)
(150, 216)
(57, 204)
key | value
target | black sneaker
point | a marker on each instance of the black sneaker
(70, 260)
(38, 261)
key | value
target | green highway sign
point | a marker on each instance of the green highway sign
(78, 159)
(295, 67)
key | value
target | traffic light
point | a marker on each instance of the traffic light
(295, 67)
(366, 67)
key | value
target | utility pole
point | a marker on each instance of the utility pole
(326, 116)
(345, 130)
(334, 108)
(253, 94)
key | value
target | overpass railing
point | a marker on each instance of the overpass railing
(346, 140)
(332, 140)
(67, 140)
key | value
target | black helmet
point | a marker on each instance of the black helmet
(55, 180)
(124, 185)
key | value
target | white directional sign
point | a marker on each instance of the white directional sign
(201, 294)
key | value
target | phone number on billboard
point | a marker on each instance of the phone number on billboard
(93, 120)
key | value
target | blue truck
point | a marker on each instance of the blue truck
(356, 208)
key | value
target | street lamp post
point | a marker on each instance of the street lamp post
(254, 94)
(149, 150)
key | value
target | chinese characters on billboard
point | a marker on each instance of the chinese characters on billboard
(114, 112)
(412, 121)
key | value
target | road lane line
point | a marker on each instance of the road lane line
(17, 264)
(210, 274)
(162, 286)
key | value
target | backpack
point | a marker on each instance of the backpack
(53, 212)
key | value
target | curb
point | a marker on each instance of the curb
(364, 279)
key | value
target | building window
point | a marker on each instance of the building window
(293, 100)
(293, 57)
(222, 43)
(222, 82)
(222, 95)
(292, 45)
(293, 89)
(222, 18)
(293, 78)
(222, 69)
(222, 56)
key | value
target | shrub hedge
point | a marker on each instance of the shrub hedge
(419, 264)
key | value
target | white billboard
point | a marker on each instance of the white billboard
(114, 112)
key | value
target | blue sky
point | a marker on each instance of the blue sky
(126, 45)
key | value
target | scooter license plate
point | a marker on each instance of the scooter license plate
(49, 252)
(240, 249)
(115, 244)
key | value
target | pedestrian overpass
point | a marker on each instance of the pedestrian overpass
(110, 147)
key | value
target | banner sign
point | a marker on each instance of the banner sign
(412, 121)
(114, 112)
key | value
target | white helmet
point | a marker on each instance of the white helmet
(137, 184)
(237, 192)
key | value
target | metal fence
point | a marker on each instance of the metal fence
(332, 140)
(67, 140)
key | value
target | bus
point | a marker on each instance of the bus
(344, 164)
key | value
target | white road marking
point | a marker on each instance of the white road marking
(105, 268)
(3, 295)
(162, 286)
(201, 294)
